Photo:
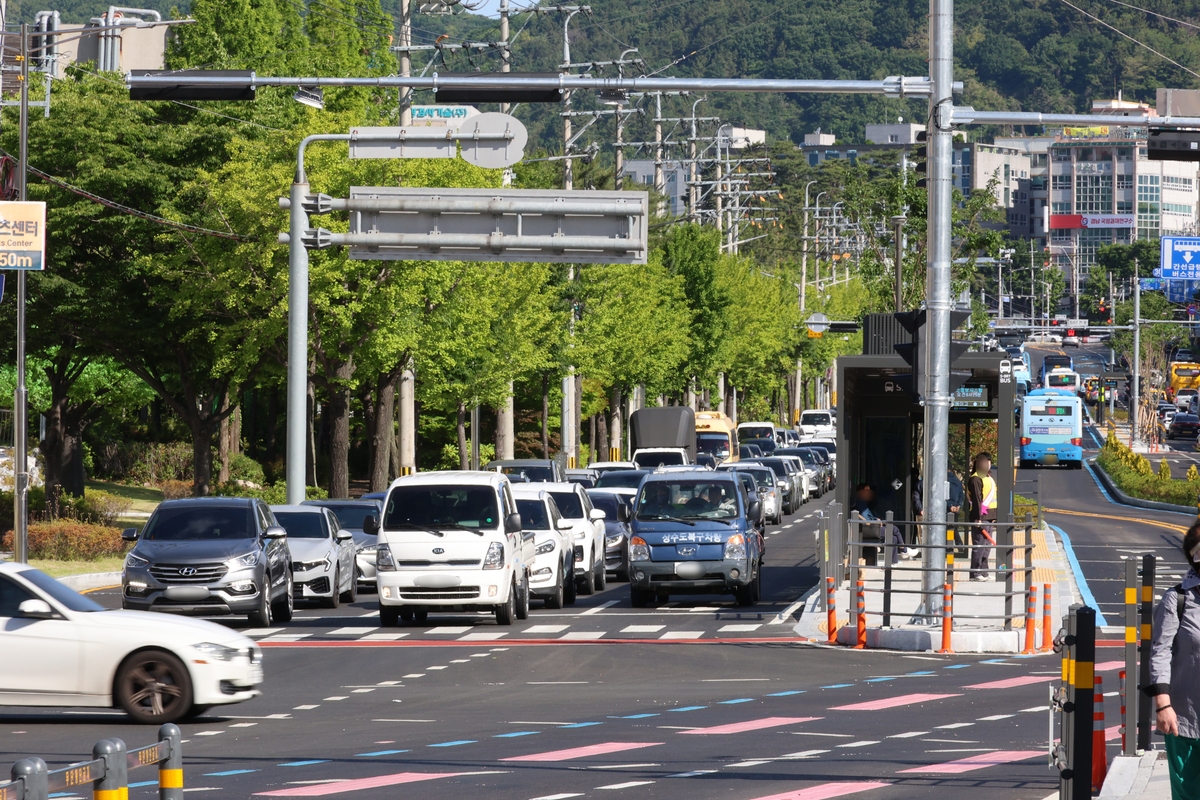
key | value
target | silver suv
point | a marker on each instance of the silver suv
(209, 556)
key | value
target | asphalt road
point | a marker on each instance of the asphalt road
(599, 700)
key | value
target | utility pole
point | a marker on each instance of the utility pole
(804, 249)
(21, 398)
(1135, 394)
(938, 301)
(898, 222)
(407, 421)
(406, 92)
(659, 182)
(693, 168)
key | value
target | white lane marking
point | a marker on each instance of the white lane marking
(623, 766)
(750, 763)
(306, 708)
(461, 661)
(863, 743)
(383, 637)
(404, 720)
(208, 733)
(790, 524)
(547, 629)
(453, 629)
(415, 675)
(694, 774)
(952, 741)
(483, 637)
(995, 717)
(740, 628)
(558, 683)
(953, 725)
(243, 724)
(733, 680)
(642, 628)
(368, 614)
(626, 785)
(353, 631)
(831, 735)
(924, 658)
(287, 637)
(262, 632)
(908, 735)
(1032, 709)
(389, 683)
(563, 796)
(338, 697)
(432, 668)
(965, 750)
(682, 635)
(802, 754)
(599, 608)
(583, 635)
(361, 691)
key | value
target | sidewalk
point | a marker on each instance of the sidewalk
(1143, 777)
(972, 600)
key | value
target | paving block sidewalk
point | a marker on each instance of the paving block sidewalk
(973, 603)
(1144, 777)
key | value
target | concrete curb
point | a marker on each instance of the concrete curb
(91, 580)
(1136, 502)
(1143, 777)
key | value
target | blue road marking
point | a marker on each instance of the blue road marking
(786, 694)
(372, 755)
(515, 734)
(687, 708)
(995, 661)
(957, 666)
(212, 775)
(453, 744)
(638, 716)
(878, 680)
(917, 674)
(1085, 592)
(735, 702)
(304, 763)
(581, 725)
(837, 686)
(131, 786)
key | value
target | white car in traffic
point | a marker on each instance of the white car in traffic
(323, 555)
(64, 649)
(817, 423)
(552, 578)
(587, 534)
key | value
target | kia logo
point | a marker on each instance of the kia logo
(188, 571)
(437, 551)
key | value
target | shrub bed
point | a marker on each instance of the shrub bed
(1135, 475)
(68, 540)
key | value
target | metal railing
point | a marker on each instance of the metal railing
(107, 772)
(859, 548)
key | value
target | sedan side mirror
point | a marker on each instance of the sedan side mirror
(371, 525)
(754, 510)
(563, 524)
(342, 535)
(35, 609)
(129, 534)
(623, 513)
(596, 514)
(512, 523)
(276, 532)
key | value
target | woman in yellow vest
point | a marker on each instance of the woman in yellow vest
(981, 507)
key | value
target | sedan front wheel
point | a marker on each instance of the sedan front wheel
(153, 687)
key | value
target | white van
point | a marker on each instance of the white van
(817, 423)
(452, 541)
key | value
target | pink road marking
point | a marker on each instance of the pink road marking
(978, 762)
(893, 702)
(322, 789)
(1009, 683)
(1112, 733)
(825, 791)
(752, 725)
(1107, 666)
(582, 752)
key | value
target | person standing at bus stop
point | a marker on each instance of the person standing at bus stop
(981, 507)
(1175, 673)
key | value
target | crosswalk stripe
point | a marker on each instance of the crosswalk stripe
(682, 635)
(745, 628)
(352, 631)
(583, 635)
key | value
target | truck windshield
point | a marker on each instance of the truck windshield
(715, 444)
(815, 419)
(658, 459)
(688, 499)
(437, 506)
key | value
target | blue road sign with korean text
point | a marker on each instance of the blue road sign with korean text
(1180, 259)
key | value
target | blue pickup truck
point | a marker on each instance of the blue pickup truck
(693, 532)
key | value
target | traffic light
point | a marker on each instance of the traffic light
(241, 88)
(514, 95)
(1103, 308)
(1164, 144)
(913, 352)
(921, 159)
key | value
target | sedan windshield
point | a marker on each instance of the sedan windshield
(607, 503)
(625, 479)
(533, 515)
(441, 506)
(532, 474)
(688, 499)
(351, 516)
(303, 525)
(199, 523)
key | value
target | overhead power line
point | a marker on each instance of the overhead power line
(1130, 38)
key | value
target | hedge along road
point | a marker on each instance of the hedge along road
(1102, 540)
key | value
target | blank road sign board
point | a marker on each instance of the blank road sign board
(543, 225)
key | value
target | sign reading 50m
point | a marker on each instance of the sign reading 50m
(22, 235)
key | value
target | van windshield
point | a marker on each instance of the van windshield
(815, 419)
(438, 506)
(715, 444)
(659, 459)
(746, 432)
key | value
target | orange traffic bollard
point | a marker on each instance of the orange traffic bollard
(831, 602)
(1047, 635)
(1099, 748)
(861, 605)
(947, 618)
(1030, 620)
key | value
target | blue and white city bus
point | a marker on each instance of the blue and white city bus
(1052, 429)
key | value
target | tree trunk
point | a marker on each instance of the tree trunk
(202, 426)
(310, 456)
(601, 424)
(383, 439)
(74, 476)
(545, 416)
(223, 446)
(461, 429)
(592, 439)
(52, 448)
(339, 431)
(235, 430)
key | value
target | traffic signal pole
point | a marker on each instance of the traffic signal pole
(938, 298)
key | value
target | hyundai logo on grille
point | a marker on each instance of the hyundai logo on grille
(187, 571)
(437, 551)
(687, 550)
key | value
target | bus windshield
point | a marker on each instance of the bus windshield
(715, 444)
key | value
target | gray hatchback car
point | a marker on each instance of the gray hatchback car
(210, 556)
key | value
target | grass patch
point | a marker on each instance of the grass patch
(141, 498)
(59, 569)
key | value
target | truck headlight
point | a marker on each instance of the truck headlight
(735, 548)
(638, 549)
(495, 556)
(383, 559)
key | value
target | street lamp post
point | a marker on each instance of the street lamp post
(898, 223)
(804, 248)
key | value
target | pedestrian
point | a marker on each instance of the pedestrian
(981, 507)
(1175, 673)
(864, 496)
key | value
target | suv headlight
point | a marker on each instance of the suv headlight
(136, 562)
(735, 548)
(383, 559)
(217, 652)
(543, 548)
(638, 549)
(614, 540)
(241, 562)
(305, 566)
(495, 556)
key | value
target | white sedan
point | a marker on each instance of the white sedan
(74, 652)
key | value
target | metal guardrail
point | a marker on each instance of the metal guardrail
(107, 772)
